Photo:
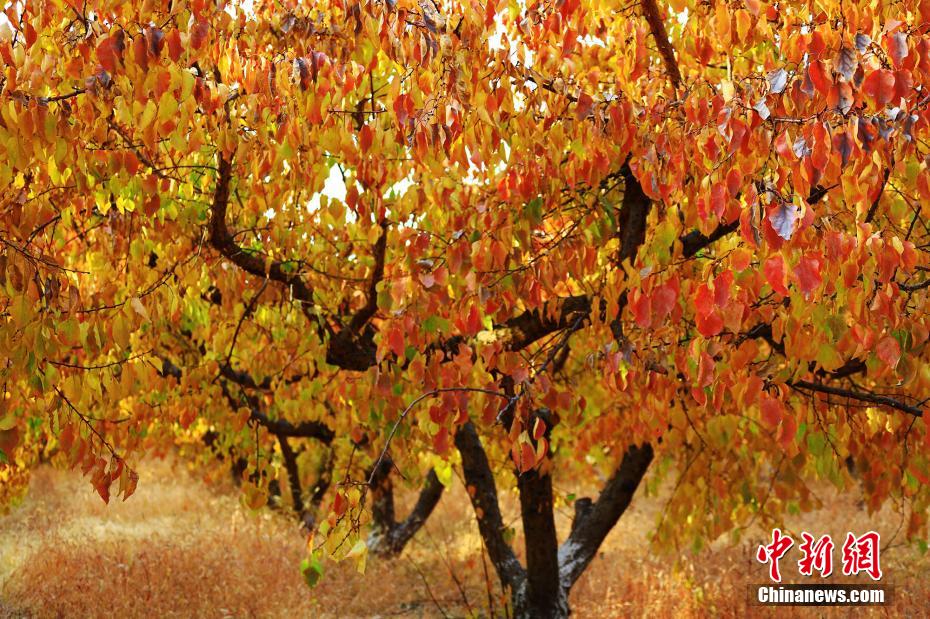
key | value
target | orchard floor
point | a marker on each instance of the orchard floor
(181, 548)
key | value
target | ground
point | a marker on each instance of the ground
(183, 548)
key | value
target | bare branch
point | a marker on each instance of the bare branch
(862, 396)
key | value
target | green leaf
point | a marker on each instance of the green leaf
(533, 210)
(312, 570)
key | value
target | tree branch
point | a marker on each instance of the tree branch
(651, 13)
(483, 493)
(390, 537)
(377, 274)
(305, 429)
(873, 208)
(222, 240)
(695, 241)
(293, 474)
(861, 396)
(595, 523)
(429, 497)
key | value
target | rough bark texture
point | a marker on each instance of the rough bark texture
(593, 525)
(389, 537)
(293, 475)
(483, 493)
(545, 597)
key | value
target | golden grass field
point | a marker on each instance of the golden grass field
(182, 548)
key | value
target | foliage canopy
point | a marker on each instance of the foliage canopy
(457, 232)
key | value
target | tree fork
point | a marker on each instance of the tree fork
(390, 537)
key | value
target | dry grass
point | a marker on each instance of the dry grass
(182, 548)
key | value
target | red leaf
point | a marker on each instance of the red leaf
(438, 414)
(819, 77)
(365, 138)
(888, 350)
(583, 107)
(774, 269)
(722, 288)
(718, 199)
(174, 45)
(771, 409)
(664, 299)
(441, 441)
(473, 325)
(199, 33)
(879, 85)
(639, 305)
(340, 504)
(396, 340)
(704, 301)
(400, 109)
(808, 274)
(897, 48)
(108, 55)
(783, 146)
(710, 325)
(787, 431)
(151, 205)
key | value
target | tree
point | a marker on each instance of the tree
(490, 236)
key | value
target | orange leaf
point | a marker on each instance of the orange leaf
(888, 350)
(774, 269)
(396, 340)
(879, 85)
(199, 33)
(365, 138)
(771, 409)
(174, 45)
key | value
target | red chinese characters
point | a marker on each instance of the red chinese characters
(861, 554)
(773, 552)
(817, 555)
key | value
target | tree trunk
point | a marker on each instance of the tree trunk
(388, 536)
(544, 597)
(540, 591)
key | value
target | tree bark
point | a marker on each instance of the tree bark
(483, 493)
(593, 525)
(545, 597)
(293, 474)
(389, 537)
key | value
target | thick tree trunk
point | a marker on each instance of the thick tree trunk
(483, 493)
(540, 591)
(545, 598)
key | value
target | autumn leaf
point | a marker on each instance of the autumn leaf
(846, 63)
(889, 351)
(775, 273)
(807, 273)
(777, 80)
(783, 218)
(879, 86)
